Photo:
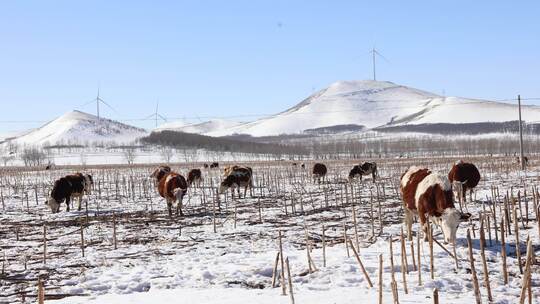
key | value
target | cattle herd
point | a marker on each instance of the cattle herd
(426, 195)
(314, 204)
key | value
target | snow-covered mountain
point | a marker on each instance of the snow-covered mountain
(203, 128)
(79, 127)
(378, 103)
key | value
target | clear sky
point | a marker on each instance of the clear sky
(234, 58)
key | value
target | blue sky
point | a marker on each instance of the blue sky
(234, 58)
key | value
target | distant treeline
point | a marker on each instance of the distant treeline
(465, 128)
(177, 139)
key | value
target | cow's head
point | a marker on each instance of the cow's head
(53, 204)
(88, 183)
(449, 222)
(159, 173)
(226, 184)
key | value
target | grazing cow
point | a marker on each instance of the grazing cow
(172, 187)
(303, 166)
(294, 164)
(194, 175)
(205, 166)
(464, 175)
(238, 177)
(364, 169)
(214, 165)
(525, 160)
(319, 171)
(60, 192)
(429, 195)
(231, 168)
(80, 184)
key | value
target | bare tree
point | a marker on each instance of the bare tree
(33, 157)
(167, 154)
(129, 155)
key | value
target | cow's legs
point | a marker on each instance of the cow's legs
(245, 190)
(373, 176)
(423, 221)
(408, 222)
(80, 201)
(169, 207)
(179, 206)
(464, 193)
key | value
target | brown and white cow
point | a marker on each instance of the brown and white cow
(172, 187)
(464, 175)
(428, 195)
(194, 176)
(364, 169)
(231, 168)
(319, 172)
(238, 177)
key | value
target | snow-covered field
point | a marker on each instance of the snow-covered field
(227, 255)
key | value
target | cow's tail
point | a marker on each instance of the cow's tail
(179, 194)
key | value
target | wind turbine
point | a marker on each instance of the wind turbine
(375, 53)
(156, 116)
(98, 100)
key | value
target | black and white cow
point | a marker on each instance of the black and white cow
(239, 177)
(364, 169)
(68, 188)
(319, 172)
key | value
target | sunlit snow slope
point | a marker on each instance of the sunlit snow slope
(79, 127)
(378, 103)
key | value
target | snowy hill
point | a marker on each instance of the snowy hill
(79, 127)
(375, 104)
(202, 128)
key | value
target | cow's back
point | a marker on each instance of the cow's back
(409, 184)
(77, 182)
(464, 172)
(319, 169)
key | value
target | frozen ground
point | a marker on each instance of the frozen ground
(161, 259)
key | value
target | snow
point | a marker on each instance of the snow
(203, 128)
(459, 110)
(79, 127)
(167, 260)
(377, 103)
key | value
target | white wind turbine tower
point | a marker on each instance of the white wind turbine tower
(156, 116)
(375, 53)
(98, 100)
